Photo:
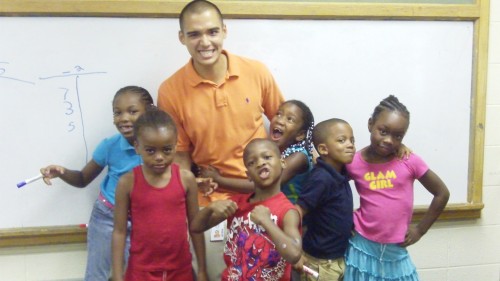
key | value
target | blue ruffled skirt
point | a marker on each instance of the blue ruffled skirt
(371, 261)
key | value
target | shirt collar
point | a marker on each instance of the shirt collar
(124, 145)
(338, 177)
(195, 79)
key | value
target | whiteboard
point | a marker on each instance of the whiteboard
(58, 77)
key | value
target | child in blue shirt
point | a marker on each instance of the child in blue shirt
(118, 154)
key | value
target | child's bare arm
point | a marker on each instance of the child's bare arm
(190, 184)
(436, 186)
(73, 177)
(239, 185)
(212, 215)
(122, 204)
(295, 164)
(287, 241)
(302, 211)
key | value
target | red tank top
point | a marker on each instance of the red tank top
(159, 236)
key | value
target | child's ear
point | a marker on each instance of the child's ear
(370, 124)
(322, 149)
(301, 136)
(136, 146)
(283, 163)
(248, 176)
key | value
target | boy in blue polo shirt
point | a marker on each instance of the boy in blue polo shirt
(326, 202)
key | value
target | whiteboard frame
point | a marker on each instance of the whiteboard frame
(478, 13)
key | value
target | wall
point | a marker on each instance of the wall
(470, 250)
(451, 251)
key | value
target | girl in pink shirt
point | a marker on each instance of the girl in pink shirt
(384, 182)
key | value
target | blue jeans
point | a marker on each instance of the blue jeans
(99, 235)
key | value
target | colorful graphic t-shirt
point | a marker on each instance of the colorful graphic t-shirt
(249, 252)
(386, 196)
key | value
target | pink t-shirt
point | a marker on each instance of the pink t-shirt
(386, 196)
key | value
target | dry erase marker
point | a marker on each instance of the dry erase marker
(25, 182)
(310, 272)
(84, 225)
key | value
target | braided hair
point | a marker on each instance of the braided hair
(391, 103)
(146, 98)
(307, 126)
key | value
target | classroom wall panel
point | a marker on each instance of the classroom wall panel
(492, 115)
(43, 263)
(491, 216)
(433, 274)
(494, 41)
(494, 83)
(464, 251)
(482, 272)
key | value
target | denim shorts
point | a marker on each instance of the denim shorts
(99, 236)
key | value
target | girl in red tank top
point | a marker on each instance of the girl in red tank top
(161, 200)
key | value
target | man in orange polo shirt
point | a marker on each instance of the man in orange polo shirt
(217, 99)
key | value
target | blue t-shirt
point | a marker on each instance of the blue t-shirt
(327, 197)
(293, 187)
(120, 157)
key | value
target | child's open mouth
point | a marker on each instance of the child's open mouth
(276, 134)
(264, 173)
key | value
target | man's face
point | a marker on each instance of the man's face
(203, 34)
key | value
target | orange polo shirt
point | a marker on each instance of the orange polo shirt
(216, 122)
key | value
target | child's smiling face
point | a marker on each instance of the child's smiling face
(387, 132)
(286, 127)
(126, 109)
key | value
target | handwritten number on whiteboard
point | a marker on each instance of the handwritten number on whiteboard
(69, 108)
(71, 126)
(66, 90)
(3, 70)
(69, 105)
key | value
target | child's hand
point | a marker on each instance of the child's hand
(206, 185)
(403, 152)
(50, 172)
(299, 266)
(259, 214)
(223, 208)
(412, 236)
(210, 172)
